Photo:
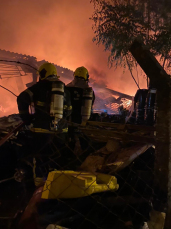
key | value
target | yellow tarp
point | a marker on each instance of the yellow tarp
(70, 184)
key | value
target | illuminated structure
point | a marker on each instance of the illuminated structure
(17, 77)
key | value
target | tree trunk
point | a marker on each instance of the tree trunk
(162, 82)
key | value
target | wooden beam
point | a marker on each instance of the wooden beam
(120, 126)
(126, 156)
(119, 94)
(94, 133)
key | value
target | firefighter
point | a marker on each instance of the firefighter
(45, 103)
(82, 96)
(82, 100)
(44, 107)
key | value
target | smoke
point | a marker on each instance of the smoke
(98, 77)
(60, 32)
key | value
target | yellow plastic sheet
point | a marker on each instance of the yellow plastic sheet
(70, 184)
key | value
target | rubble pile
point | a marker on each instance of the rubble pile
(8, 123)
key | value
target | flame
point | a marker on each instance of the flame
(126, 103)
(51, 40)
(61, 38)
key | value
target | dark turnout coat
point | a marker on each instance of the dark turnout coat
(40, 96)
(76, 88)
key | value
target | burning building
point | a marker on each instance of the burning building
(17, 72)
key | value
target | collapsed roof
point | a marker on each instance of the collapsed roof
(17, 77)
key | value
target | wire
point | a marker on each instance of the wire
(131, 73)
(8, 90)
(18, 62)
(2, 181)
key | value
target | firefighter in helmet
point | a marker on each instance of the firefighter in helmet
(45, 103)
(51, 103)
(82, 96)
(82, 99)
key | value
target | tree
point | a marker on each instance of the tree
(118, 22)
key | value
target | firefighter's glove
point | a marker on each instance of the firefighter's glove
(62, 124)
(29, 127)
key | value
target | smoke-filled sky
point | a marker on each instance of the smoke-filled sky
(60, 32)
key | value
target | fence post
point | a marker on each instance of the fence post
(168, 216)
